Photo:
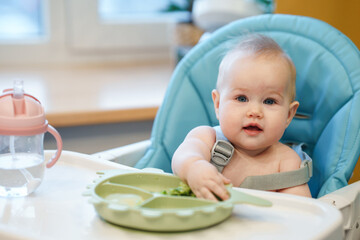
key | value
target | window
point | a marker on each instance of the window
(21, 20)
(124, 10)
(63, 31)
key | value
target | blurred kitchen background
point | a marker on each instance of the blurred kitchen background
(101, 67)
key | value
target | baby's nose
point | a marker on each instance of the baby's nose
(255, 112)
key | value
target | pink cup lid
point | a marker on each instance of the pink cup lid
(21, 114)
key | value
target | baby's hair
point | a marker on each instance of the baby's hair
(258, 45)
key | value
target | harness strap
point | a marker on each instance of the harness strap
(221, 154)
(280, 180)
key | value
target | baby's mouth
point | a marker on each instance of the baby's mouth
(253, 129)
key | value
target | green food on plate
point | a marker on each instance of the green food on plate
(182, 190)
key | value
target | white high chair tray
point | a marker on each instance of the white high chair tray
(58, 210)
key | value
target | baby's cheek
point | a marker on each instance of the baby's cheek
(276, 131)
(230, 121)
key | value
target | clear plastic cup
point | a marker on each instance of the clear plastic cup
(22, 129)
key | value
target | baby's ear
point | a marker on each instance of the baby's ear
(292, 111)
(216, 100)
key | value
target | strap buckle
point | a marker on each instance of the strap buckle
(221, 154)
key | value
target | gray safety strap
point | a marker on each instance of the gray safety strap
(221, 154)
(280, 180)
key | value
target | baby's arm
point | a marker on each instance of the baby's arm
(191, 162)
(293, 162)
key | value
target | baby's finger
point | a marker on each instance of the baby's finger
(206, 194)
(220, 191)
(225, 179)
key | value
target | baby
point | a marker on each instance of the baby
(254, 101)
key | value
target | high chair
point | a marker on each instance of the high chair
(327, 121)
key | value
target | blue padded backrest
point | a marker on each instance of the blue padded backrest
(328, 83)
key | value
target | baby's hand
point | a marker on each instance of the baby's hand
(206, 182)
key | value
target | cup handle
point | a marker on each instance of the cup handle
(59, 145)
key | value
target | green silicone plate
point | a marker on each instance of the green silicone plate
(134, 199)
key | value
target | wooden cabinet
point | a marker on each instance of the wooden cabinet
(343, 15)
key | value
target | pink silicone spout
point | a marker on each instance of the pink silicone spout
(21, 114)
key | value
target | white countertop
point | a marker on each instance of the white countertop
(58, 210)
(94, 94)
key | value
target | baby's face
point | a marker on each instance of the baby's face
(253, 102)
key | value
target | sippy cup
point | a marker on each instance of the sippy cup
(22, 129)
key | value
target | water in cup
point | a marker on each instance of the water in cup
(20, 174)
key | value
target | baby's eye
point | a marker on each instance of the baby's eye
(269, 101)
(242, 99)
